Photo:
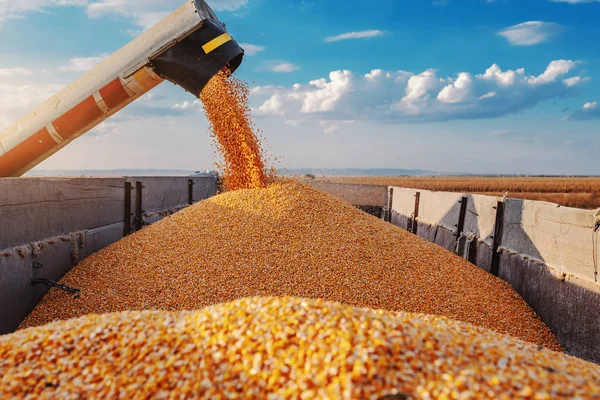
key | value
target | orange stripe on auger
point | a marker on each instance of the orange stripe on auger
(77, 118)
(147, 78)
(25, 152)
(114, 94)
(86, 114)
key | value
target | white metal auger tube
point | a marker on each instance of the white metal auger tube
(187, 48)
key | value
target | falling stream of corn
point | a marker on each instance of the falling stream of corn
(235, 257)
(225, 101)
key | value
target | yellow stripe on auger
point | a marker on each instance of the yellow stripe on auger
(216, 42)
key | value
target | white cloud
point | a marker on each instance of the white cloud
(374, 74)
(147, 13)
(402, 95)
(576, 80)
(458, 91)
(10, 9)
(507, 78)
(251, 49)
(187, 105)
(25, 95)
(530, 33)
(590, 111)
(104, 129)
(329, 127)
(147, 19)
(320, 96)
(83, 64)
(419, 86)
(355, 35)
(285, 68)
(295, 122)
(489, 95)
(555, 69)
(268, 89)
(280, 67)
(14, 72)
(143, 13)
(17, 97)
(327, 94)
(273, 106)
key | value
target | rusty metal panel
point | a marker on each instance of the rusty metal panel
(32, 209)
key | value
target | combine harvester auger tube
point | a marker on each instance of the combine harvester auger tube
(187, 48)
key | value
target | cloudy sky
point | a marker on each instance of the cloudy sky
(479, 86)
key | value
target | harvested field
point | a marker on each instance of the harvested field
(287, 240)
(570, 192)
(283, 348)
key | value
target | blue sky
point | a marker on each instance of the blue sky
(479, 86)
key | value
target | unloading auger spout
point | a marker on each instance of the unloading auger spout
(187, 48)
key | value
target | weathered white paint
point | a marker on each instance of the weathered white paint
(440, 208)
(546, 254)
(561, 237)
(404, 201)
(481, 216)
(443, 208)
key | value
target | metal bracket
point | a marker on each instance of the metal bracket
(190, 192)
(390, 206)
(141, 221)
(50, 283)
(415, 221)
(497, 237)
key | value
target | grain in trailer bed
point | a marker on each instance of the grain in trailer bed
(287, 240)
(283, 348)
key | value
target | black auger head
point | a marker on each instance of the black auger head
(195, 58)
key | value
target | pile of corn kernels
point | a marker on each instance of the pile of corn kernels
(283, 348)
(287, 240)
